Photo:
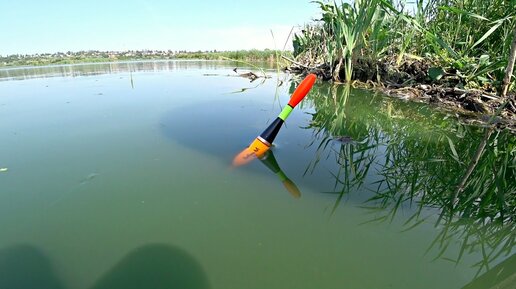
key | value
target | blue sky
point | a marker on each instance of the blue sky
(67, 25)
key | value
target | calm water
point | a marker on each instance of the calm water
(118, 175)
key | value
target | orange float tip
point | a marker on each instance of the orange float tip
(302, 89)
(292, 188)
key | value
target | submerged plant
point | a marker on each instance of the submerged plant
(421, 168)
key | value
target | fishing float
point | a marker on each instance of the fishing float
(264, 141)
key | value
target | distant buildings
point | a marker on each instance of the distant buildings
(82, 56)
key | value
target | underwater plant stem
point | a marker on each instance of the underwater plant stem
(472, 164)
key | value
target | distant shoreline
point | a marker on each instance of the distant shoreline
(128, 61)
(63, 58)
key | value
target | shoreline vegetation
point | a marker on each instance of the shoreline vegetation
(92, 56)
(456, 53)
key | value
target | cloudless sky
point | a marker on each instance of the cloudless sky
(41, 26)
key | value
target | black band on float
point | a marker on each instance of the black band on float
(269, 134)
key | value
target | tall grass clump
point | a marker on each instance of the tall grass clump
(339, 37)
(467, 41)
(348, 24)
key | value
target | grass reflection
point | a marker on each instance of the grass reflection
(414, 160)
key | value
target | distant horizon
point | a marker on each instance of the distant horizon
(38, 27)
(139, 50)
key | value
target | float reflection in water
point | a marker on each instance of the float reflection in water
(264, 141)
(270, 162)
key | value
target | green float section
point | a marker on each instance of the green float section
(285, 112)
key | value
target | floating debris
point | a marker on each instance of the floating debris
(251, 75)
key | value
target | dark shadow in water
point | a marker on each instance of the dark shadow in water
(215, 133)
(153, 266)
(217, 128)
(25, 267)
(212, 128)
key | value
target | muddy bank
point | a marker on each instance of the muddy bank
(421, 81)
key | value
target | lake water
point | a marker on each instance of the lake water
(119, 176)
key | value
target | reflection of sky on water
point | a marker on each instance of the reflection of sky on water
(86, 69)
